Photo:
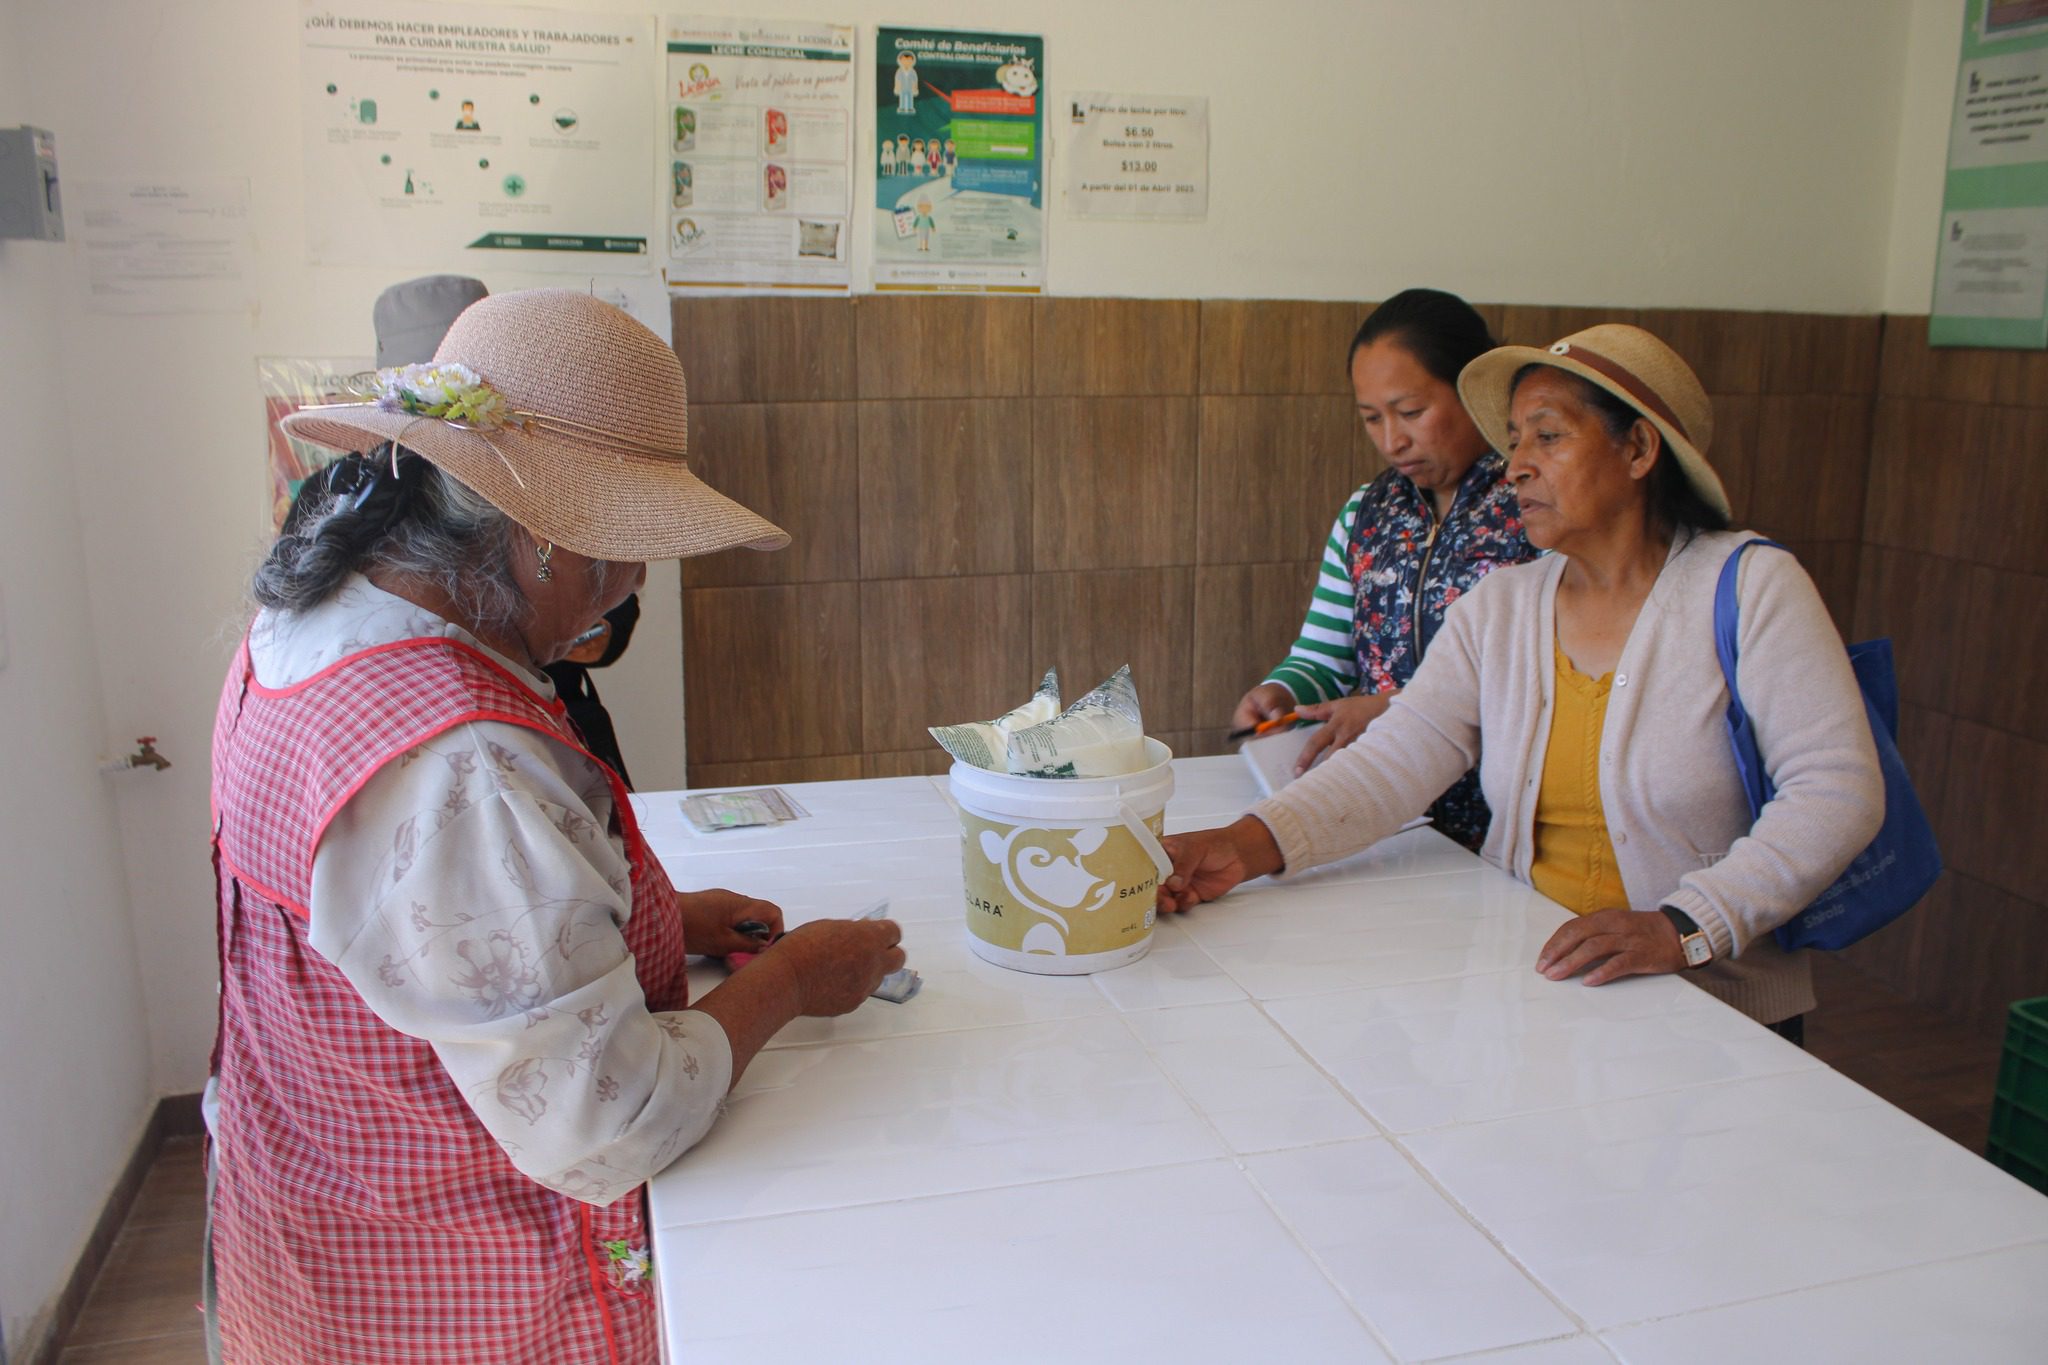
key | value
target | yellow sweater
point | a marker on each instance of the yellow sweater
(1574, 863)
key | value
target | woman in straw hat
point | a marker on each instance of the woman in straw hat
(1585, 687)
(454, 1038)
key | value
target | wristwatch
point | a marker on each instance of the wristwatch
(1698, 952)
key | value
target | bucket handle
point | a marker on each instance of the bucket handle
(1147, 840)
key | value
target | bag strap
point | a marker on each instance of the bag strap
(1726, 612)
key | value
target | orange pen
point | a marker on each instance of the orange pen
(1264, 727)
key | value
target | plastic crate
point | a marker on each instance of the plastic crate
(2019, 1112)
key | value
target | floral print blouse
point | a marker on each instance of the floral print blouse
(1390, 572)
(473, 893)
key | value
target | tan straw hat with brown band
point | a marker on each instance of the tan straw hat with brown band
(567, 415)
(1629, 363)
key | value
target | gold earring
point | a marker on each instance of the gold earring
(544, 553)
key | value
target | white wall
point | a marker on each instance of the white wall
(1933, 44)
(1740, 154)
(74, 1055)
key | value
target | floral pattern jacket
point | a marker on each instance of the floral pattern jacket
(1390, 572)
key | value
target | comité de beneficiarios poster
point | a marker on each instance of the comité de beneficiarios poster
(960, 161)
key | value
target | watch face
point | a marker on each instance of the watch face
(1697, 951)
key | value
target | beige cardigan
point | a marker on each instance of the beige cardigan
(1681, 827)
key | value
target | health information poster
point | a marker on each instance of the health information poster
(438, 132)
(758, 123)
(960, 161)
(1991, 267)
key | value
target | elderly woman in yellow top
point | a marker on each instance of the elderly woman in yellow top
(1585, 687)
(454, 1032)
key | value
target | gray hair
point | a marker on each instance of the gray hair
(446, 536)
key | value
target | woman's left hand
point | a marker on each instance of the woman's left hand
(1622, 942)
(1343, 720)
(709, 917)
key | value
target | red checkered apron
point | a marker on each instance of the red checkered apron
(361, 1213)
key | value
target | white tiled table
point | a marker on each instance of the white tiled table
(1340, 1119)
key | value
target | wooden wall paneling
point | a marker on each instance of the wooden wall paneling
(1277, 346)
(1812, 465)
(1273, 474)
(1117, 347)
(1525, 324)
(1910, 368)
(945, 487)
(1725, 348)
(2020, 379)
(2008, 496)
(794, 463)
(1991, 826)
(768, 772)
(1090, 624)
(1925, 738)
(928, 762)
(1919, 602)
(1113, 482)
(934, 651)
(1986, 949)
(2002, 663)
(1926, 466)
(1822, 353)
(765, 672)
(1733, 453)
(1247, 616)
(919, 347)
(765, 350)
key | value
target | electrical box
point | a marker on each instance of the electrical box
(29, 206)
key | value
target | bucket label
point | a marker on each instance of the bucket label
(1062, 892)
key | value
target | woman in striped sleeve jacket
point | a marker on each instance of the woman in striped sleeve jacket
(1408, 544)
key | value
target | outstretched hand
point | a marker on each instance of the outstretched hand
(1208, 862)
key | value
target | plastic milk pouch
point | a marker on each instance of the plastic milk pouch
(1101, 735)
(982, 743)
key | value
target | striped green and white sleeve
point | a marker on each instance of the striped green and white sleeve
(1321, 666)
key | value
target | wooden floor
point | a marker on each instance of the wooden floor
(143, 1309)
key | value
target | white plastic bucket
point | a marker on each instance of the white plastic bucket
(1062, 874)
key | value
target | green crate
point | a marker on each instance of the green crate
(2019, 1112)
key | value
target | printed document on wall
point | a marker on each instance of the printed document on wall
(1991, 270)
(757, 127)
(452, 136)
(163, 246)
(1138, 156)
(959, 161)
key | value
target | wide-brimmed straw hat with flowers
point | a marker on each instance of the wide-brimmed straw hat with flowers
(1629, 363)
(567, 415)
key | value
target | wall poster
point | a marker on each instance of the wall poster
(758, 125)
(1991, 268)
(449, 135)
(959, 147)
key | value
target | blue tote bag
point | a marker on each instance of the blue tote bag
(1888, 878)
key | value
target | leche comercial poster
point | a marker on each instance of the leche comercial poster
(959, 161)
(436, 133)
(758, 123)
(1991, 269)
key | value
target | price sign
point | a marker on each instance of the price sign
(1138, 156)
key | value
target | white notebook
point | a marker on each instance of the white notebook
(1272, 757)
